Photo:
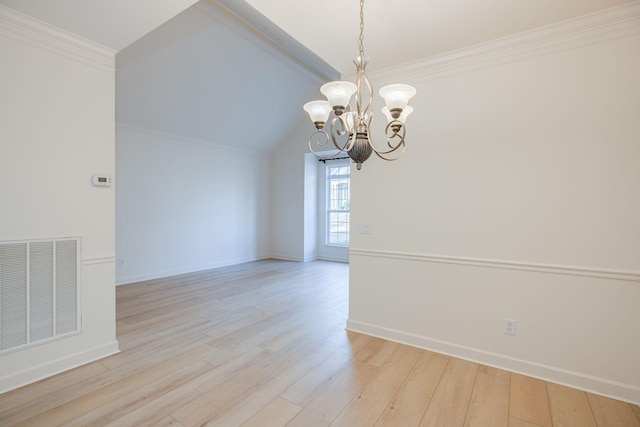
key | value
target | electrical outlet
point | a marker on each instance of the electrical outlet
(509, 326)
(121, 262)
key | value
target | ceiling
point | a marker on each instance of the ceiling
(112, 23)
(401, 31)
(395, 32)
(195, 78)
(165, 81)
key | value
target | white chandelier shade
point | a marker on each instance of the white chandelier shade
(397, 96)
(403, 116)
(338, 93)
(318, 110)
(351, 104)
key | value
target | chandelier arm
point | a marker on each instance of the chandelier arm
(358, 102)
(361, 76)
(390, 159)
(398, 130)
(339, 132)
(350, 143)
(321, 144)
(370, 89)
(401, 143)
(343, 126)
(396, 134)
(358, 95)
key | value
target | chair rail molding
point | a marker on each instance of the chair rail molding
(625, 275)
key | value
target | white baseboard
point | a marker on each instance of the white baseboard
(287, 258)
(591, 384)
(45, 370)
(175, 272)
(334, 259)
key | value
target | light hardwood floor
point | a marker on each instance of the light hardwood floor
(263, 344)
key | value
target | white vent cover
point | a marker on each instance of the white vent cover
(39, 291)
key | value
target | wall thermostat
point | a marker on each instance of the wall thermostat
(101, 180)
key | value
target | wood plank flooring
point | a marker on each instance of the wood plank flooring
(263, 344)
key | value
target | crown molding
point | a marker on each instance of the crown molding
(617, 22)
(242, 18)
(26, 29)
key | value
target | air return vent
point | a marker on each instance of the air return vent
(39, 291)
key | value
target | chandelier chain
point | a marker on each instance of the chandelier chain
(361, 39)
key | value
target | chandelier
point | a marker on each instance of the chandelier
(355, 119)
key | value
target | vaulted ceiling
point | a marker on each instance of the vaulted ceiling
(112, 23)
(402, 31)
(188, 77)
(205, 77)
(396, 31)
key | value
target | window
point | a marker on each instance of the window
(338, 204)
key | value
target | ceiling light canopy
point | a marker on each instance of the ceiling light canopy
(354, 119)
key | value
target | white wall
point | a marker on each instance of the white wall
(202, 104)
(296, 201)
(517, 197)
(311, 214)
(204, 76)
(56, 130)
(288, 196)
(186, 206)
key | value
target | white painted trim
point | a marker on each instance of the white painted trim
(287, 258)
(631, 276)
(602, 386)
(194, 269)
(326, 251)
(244, 20)
(85, 261)
(40, 239)
(184, 139)
(99, 260)
(45, 370)
(334, 259)
(27, 29)
(609, 24)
